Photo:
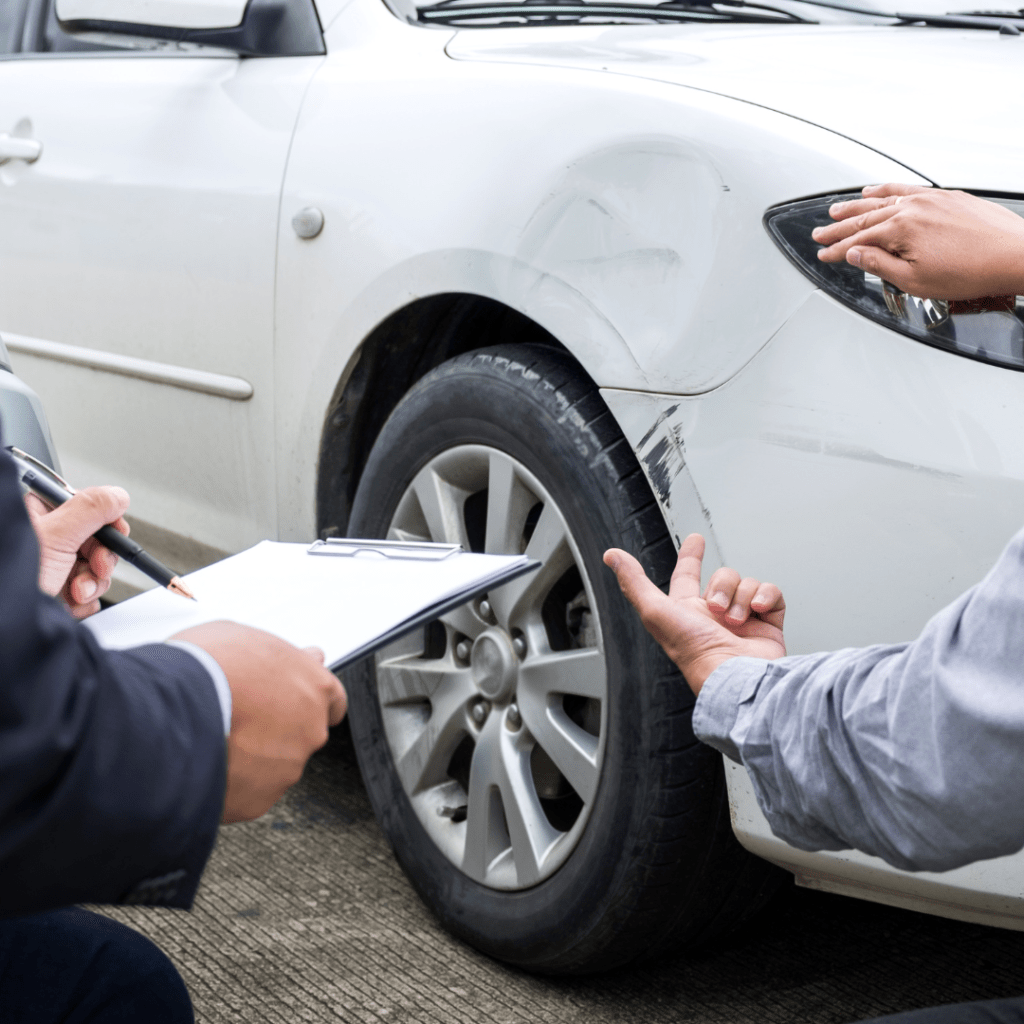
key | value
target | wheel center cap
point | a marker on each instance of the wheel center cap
(494, 664)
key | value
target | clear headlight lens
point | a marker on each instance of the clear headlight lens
(991, 329)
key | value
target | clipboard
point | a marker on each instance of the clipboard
(350, 598)
(342, 547)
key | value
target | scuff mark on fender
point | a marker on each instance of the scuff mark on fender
(670, 411)
(664, 462)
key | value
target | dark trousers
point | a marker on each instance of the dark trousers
(996, 1011)
(75, 967)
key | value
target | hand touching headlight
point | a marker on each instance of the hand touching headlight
(929, 242)
(942, 267)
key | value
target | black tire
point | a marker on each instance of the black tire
(656, 866)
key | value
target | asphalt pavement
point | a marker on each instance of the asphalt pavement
(304, 915)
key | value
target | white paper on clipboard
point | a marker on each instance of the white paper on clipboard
(347, 606)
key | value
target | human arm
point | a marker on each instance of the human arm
(112, 764)
(911, 752)
(290, 688)
(929, 242)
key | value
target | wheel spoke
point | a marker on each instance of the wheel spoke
(573, 750)
(500, 781)
(442, 507)
(485, 830)
(581, 672)
(549, 544)
(405, 535)
(408, 677)
(465, 621)
(508, 504)
(531, 833)
(425, 763)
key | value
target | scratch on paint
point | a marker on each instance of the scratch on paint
(815, 446)
(665, 461)
(654, 426)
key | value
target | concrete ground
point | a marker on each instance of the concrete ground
(305, 916)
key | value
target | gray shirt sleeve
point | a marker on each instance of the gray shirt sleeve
(912, 752)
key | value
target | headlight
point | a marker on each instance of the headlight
(991, 330)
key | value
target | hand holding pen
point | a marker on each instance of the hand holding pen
(79, 542)
(72, 563)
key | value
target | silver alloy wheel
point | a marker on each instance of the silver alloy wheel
(496, 715)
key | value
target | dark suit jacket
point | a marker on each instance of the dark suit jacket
(112, 764)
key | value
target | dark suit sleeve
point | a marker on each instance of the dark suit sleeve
(112, 764)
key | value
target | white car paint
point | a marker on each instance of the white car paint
(176, 200)
(942, 102)
(607, 183)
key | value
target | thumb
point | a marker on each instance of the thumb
(881, 263)
(81, 516)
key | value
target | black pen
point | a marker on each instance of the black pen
(46, 485)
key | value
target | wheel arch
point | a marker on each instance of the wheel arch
(400, 350)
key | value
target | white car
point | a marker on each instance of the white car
(531, 276)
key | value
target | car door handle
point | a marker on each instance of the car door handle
(13, 147)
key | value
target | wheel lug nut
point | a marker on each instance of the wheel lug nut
(519, 646)
(513, 718)
(463, 649)
(485, 609)
(479, 711)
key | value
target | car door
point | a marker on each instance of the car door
(137, 265)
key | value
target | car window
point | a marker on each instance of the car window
(12, 24)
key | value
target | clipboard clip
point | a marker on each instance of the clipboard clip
(410, 550)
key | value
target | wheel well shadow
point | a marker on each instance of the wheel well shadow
(396, 354)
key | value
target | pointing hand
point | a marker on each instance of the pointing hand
(733, 618)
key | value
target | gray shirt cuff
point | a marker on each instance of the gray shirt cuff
(731, 685)
(220, 681)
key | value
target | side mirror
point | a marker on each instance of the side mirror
(250, 28)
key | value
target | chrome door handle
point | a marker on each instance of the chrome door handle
(13, 147)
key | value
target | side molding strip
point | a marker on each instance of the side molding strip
(218, 384)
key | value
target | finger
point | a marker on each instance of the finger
(338, 703)
(849, 210)
(739, 610)
(883, 264)
(84, 588)
(316, 653)
(721, 588)
(874, 197)
(893, 188)
(81, 516)
(639, 591)
(829, 234)
(769, 604)
(685, 580)
(35, 507)
(886, 233)
(83, 611)
(102, 561)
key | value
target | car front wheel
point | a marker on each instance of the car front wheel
(530, 755)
